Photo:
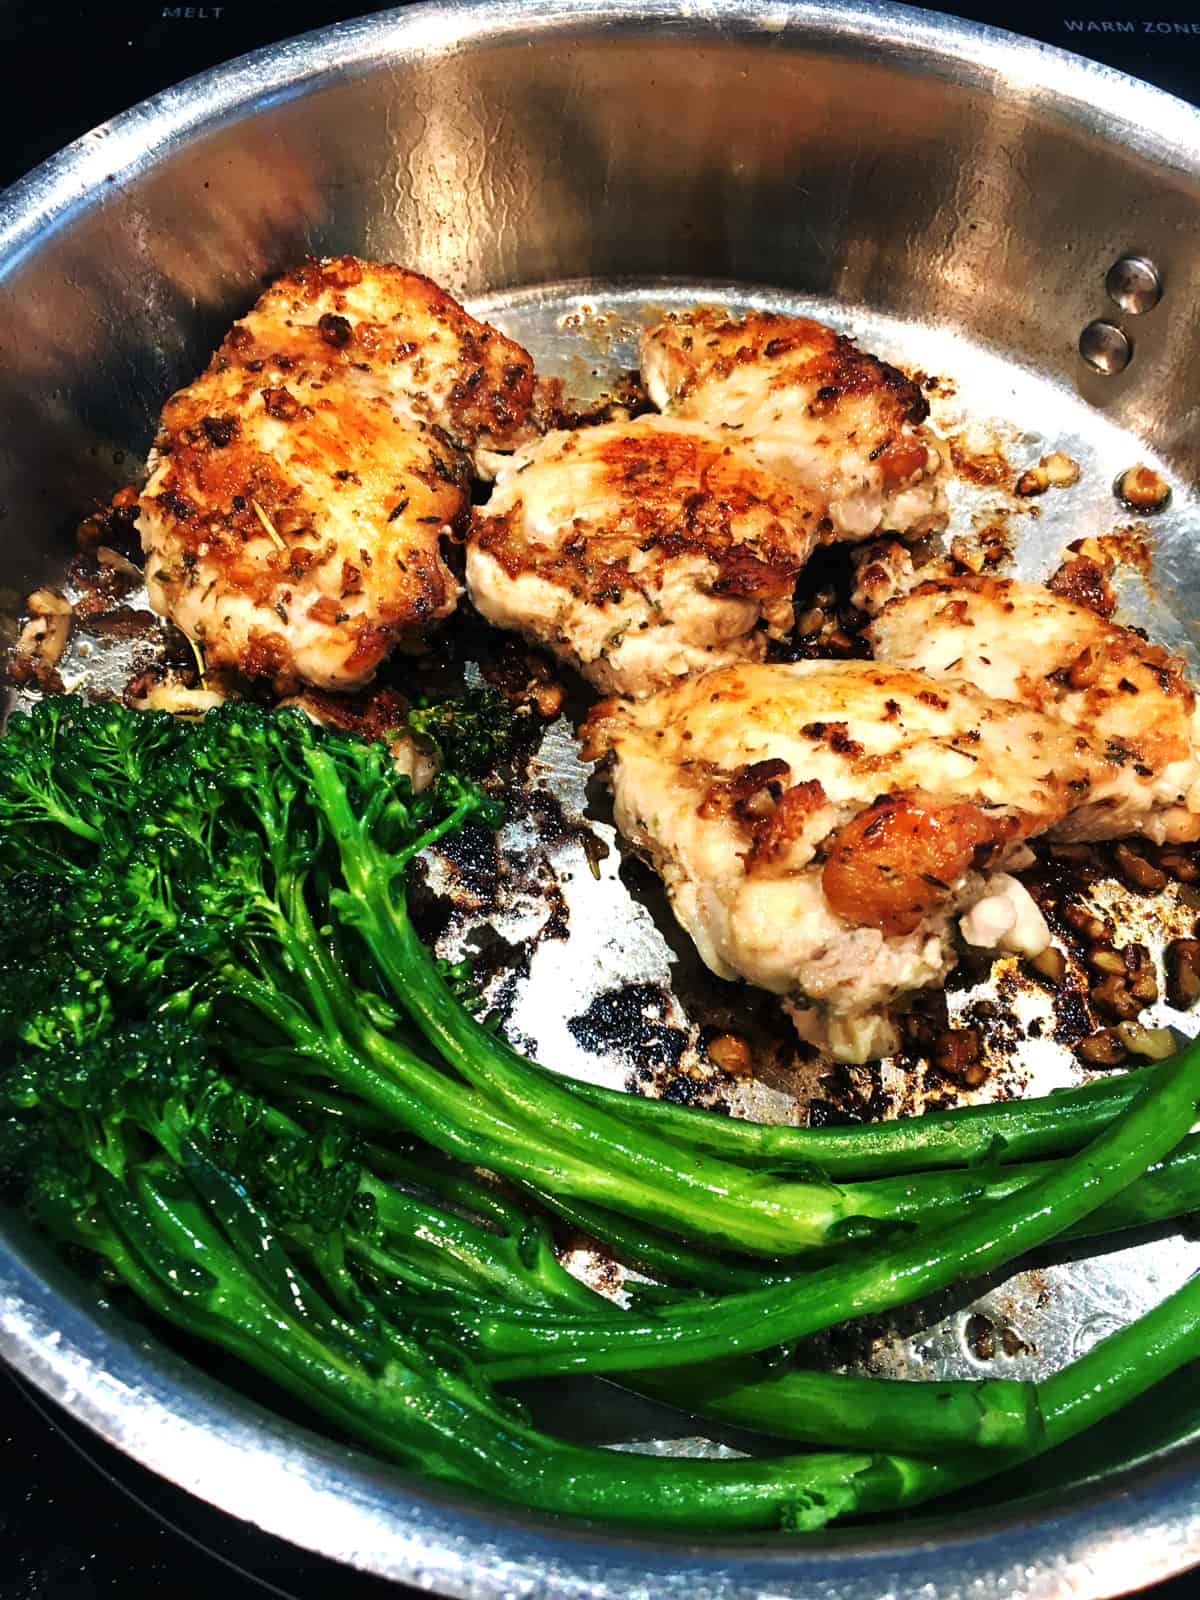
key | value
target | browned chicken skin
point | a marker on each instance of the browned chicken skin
(815, 409)
(301, 486)
(641, 551)
(820, 825)
(1128, 698)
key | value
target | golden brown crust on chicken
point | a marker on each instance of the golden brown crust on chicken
(300, 488)
(898, 860)
(641, 551)
(705, 345)
(819, 825)
(454, 372)
(1130, 699)
(813, 405)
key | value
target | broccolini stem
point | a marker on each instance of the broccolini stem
(656, 1254)
(856, 1413)
(598, 1155)
(1110, 1376)
(429, 1420)
(389, 1076)
(931, 1260)
(520, 1270)
(412, 1411)
(1169, 1188)
(1013, 1130)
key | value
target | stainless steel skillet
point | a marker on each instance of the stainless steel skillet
(955, 195)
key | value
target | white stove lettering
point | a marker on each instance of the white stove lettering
(1138, 25)
(193, 13)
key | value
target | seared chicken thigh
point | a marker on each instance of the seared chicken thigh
(300, 488)
(819, 825)
(816, 409)
(1130, 698)
(641, 551)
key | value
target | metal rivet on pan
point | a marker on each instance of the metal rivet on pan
(1105, 347)
(1133, 282)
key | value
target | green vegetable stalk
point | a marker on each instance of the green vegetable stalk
(133, 1150)
(243, 1228)
(1013, 1130)
(875, 1281)
(1111, 1376)
(217, 1015)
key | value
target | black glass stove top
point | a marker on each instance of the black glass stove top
(73, 66)
(77, 1520)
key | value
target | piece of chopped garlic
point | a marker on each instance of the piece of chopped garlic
(1006, 918)
(1061, 471)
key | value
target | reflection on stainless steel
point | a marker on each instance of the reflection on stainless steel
(1134, 284)
(1105, 347)
(948, 193)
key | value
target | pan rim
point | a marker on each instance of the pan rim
(1140, 1525)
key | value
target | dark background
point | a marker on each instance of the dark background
(78, 1521)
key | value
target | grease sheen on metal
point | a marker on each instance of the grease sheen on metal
(929, 183)
(1134, 284)
(1105, 347)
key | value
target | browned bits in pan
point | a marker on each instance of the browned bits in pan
(1183, 973)
(827, 622)
(1076, 855)
(1055, 471)
(42, 640)
(526, 678)
(958, 1053)
(114, 524)
(731, 1054)
(1128, 983)
(1142, 489)
(1102, 958)
(1061, 470)
(921, 1025)
(1136, 870)
(122, 569)
(1086, 922)
(121, 622)
(547, 697)
(987, 550)
(1156, 1044)
(1180, 865)
(1112, 998)
(980, 1334)
(1139, 972)
(1103, 1049)
(596, 851)
(1049, 964)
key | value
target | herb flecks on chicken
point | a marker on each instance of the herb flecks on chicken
(300, 488)
(1128, 699)
(642, 552)
(819, 826)
(814, 407)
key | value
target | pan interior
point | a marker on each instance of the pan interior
(621, 998)
(595, 980)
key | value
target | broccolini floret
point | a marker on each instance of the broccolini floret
(216, 1018)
